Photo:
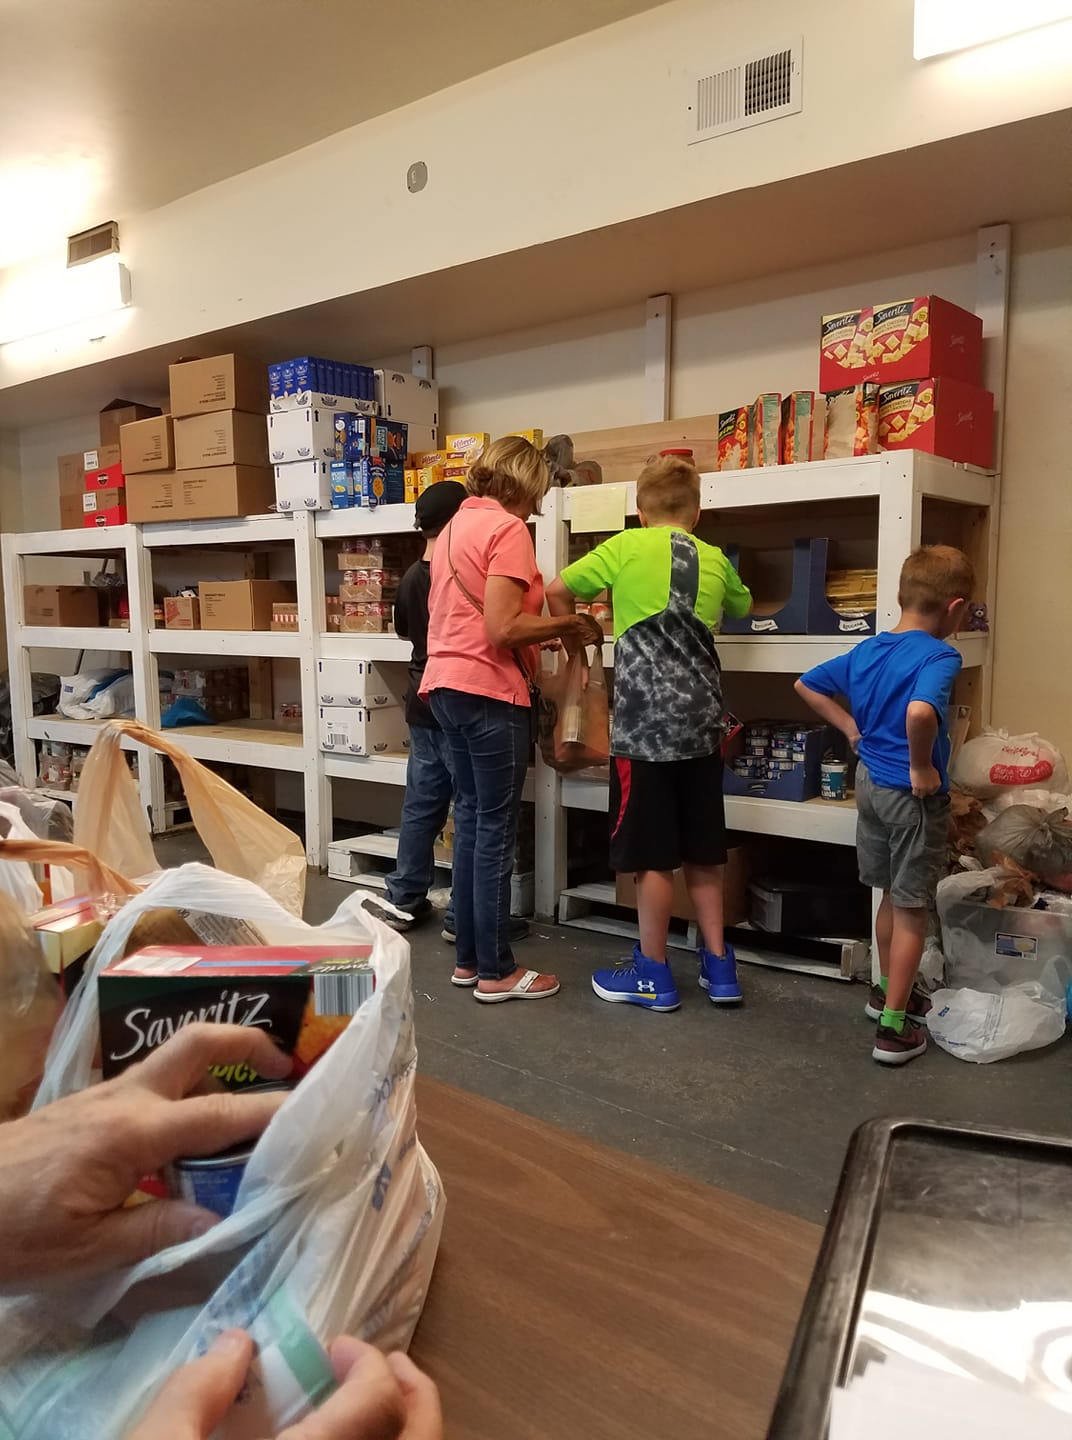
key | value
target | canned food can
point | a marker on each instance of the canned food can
(210, 1181)
(780, 752)
(834, 780)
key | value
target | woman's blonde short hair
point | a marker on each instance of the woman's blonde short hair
(511, 471)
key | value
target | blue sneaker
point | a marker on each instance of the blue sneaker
(638, 981)
(718, 976)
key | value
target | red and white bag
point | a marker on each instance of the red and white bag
(996, 761)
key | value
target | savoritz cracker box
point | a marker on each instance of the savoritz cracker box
(302, 997)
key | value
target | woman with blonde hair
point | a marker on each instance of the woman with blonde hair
(486, 625)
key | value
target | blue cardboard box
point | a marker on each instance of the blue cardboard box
(342, 485)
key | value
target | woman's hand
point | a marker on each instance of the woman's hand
(579, 631)
(378, 1398)
(66, 1169)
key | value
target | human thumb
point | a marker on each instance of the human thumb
(196, 1398)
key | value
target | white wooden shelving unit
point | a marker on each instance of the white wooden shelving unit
(899, 487)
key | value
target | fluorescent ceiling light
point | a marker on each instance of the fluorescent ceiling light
(945, 25)
(46, 298)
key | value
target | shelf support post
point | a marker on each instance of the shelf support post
(657, 337)
(993, 273)
(309, 576)
(550, 815)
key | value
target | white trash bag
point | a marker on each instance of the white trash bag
(973, 1025)
(996, 761)
(335, 1230)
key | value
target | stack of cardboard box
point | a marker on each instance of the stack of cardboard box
(92, 487)
(220, 450)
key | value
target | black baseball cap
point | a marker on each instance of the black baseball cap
(438, 505)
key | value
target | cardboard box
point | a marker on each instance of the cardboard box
(147, 997)
(147, 445)
(368, 584)
(733, 438)
(110, 478)
(97, 520)
(844, 354)
(222, 437)
(351, 730)
(364, 617)
(118, 413)
(285, 615)
(941, 416)
(798, 432)
(310, 374)
(378, 482)
(851, 422)
(360, 684)
(216, 493)
(67, 932)
(925, 336)
(468, 447)
(534, 437)
(101, 458)
(342, 484)
(303, 485)
(362, 435)
(182, 612)
(95, 502)
(407, 397)
(764, 430)
(735, 895)
(421, 437)
(241, 604)
(306, 434)
(321, 400)
(72, 484)
(60, 605)
(224, 382)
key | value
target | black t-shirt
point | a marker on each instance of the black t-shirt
(411, 622)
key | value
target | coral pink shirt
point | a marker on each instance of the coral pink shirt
(484, 539)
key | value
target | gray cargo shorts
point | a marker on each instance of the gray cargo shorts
(901, 841)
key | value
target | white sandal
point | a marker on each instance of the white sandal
(464, 982)
(521, 991)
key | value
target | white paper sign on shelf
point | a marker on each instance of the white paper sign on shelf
(598, 510)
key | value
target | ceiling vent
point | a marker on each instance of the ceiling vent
(762, 86)
(92, 244)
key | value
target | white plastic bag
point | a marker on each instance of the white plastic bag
(76, 690)
(335, 1230)
(975, 1026)
(997, 761)
(16, 876)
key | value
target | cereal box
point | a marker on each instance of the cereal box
(942, 416)
(429, 457)
(925, 336)
(733, 438)
(301, 996)
(764, 427)
(798, 418)
(534, 437)
(843, 348)
(411, 481)
(429, 475)
(851, 422)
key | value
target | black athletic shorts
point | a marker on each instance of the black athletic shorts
(666, 813)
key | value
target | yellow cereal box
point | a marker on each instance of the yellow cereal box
(429, 475)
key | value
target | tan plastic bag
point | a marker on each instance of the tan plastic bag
(104, 885)
(240, 837)
(574, 724)
(29, 1008)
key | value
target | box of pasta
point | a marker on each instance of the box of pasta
(941, 416)
(924, 336)
(844, 340)
(851, 422)
(733, 438)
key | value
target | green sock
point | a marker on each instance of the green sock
(883, 983)
(894, 1019)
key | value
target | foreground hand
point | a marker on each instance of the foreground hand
(582, 630)
(377, 1398)
(66, 1169)
(925, 781)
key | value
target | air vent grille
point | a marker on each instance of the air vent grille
(92, 244)
(752, 90)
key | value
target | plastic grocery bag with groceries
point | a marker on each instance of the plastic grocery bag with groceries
(574, 719)
(334, 1230)
(995, 762)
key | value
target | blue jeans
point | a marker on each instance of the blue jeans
(429, 788)
(490, 741)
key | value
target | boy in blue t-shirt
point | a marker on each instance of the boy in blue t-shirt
(898, 686)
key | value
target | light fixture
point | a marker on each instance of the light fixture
(945, 25)
(43, 298)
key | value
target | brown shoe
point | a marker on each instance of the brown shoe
(917, 1009)
(897, 1047)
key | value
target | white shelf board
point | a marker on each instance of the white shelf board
(336, 646)
(830, 821)
(240, 643)
(58, 727)
(377, 769)
(349, 524)
(72, 542)
(73, 637)
(243, 530)
(243, 742)
(380, 847)
(794, 654)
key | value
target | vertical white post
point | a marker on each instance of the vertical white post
(657, 323)
(145, 671)
(993, 272)
(422, 362)
(900, 518)
(309, 574)
(19, 679)
(550, 877)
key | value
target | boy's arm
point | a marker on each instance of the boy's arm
(737, 599)
(921, 727)
(817, 689)
(588, 576)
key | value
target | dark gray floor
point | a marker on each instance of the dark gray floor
(760, 1100)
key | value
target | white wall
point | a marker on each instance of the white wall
(582, 135)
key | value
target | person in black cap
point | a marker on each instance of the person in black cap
(429, 779)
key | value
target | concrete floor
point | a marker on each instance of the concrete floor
(760, 1100)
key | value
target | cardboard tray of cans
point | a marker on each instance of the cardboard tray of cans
(776, 760)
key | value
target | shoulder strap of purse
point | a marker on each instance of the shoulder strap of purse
(475, 603)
